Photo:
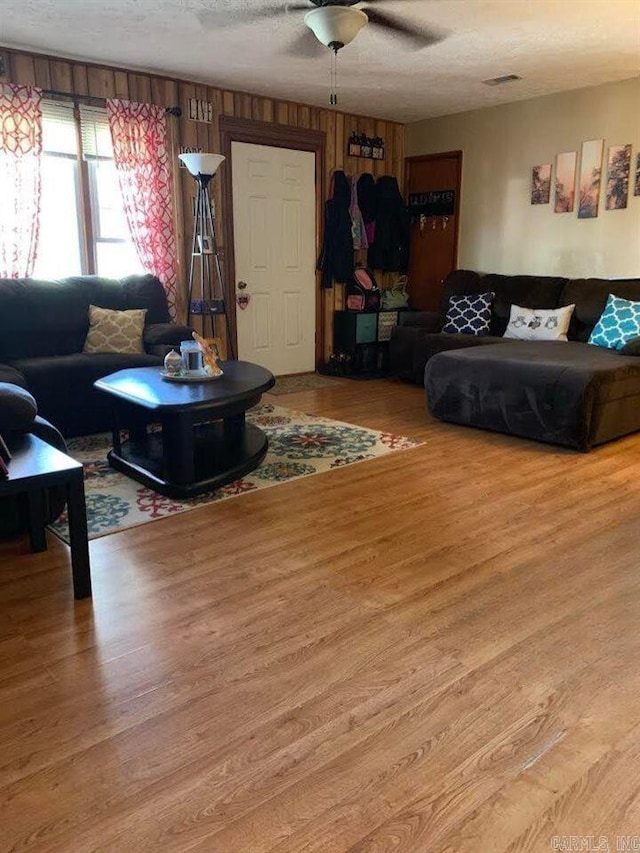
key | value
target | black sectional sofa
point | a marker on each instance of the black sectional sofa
(43, 326)
(567, 393)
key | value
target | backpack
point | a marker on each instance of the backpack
(362, 292)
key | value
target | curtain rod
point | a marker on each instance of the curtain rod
(53, 93)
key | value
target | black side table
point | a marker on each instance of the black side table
(35, 467)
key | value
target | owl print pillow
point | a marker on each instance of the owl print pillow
(539, 324)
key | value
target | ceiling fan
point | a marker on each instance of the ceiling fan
(335, 23)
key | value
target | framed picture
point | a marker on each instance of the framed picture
(541, 184)
(218, 346)
(590, 174)
(565, 182)
(618, 168)
(204, 245)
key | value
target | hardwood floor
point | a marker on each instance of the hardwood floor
(433, 651)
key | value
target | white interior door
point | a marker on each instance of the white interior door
(275, 253)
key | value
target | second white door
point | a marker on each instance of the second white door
(274, 236)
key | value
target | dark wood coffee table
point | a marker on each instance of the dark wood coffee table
(203, 441)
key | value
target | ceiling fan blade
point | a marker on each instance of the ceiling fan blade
(419, 37)
(215, 19)
(306, 46)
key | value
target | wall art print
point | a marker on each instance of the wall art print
(565, 182)
(618, 168)
(541, 184)
(590, 177)
(636, 190)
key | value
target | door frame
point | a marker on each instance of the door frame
(453, 155)
(277, 136)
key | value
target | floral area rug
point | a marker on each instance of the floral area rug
(299, 445)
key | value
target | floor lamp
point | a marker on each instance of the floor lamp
(207, 295)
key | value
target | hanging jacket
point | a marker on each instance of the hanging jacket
(336, 258)
(390, 249)
(367, 204)
(357, 222)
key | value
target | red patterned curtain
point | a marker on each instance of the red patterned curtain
(139, 134)
(20, 161)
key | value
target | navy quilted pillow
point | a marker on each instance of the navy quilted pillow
(469, 315)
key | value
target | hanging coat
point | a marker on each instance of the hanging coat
(357, 222)
(336, 258)
(367, 204)
(390, 249)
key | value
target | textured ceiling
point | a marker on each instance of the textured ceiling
(553, 45)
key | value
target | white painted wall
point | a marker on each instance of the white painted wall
(500, 231)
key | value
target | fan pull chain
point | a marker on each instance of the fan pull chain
(333, 96)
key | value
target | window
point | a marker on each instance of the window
(113, 251)
(83, 229)
(60, 237)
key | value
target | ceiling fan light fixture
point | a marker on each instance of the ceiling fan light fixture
(335, 26)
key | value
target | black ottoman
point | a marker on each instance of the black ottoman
(571, 394)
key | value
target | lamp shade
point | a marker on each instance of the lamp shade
(335, 26)
(202, 164)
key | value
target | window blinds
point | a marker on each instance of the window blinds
(58, 129)
(95, 133)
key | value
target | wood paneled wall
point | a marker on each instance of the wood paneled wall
(99, 81)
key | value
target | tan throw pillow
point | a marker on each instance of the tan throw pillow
(115, 331)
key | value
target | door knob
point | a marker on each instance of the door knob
(242, 285)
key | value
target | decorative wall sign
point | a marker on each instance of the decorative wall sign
(186, 149)
(618, 168)
(361, 145)
(200, 110)
(636, 190)
(565, 182)
(541, 184)
(590, 175)
(433, 203)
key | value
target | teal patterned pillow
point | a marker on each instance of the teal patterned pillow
(619, 323)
